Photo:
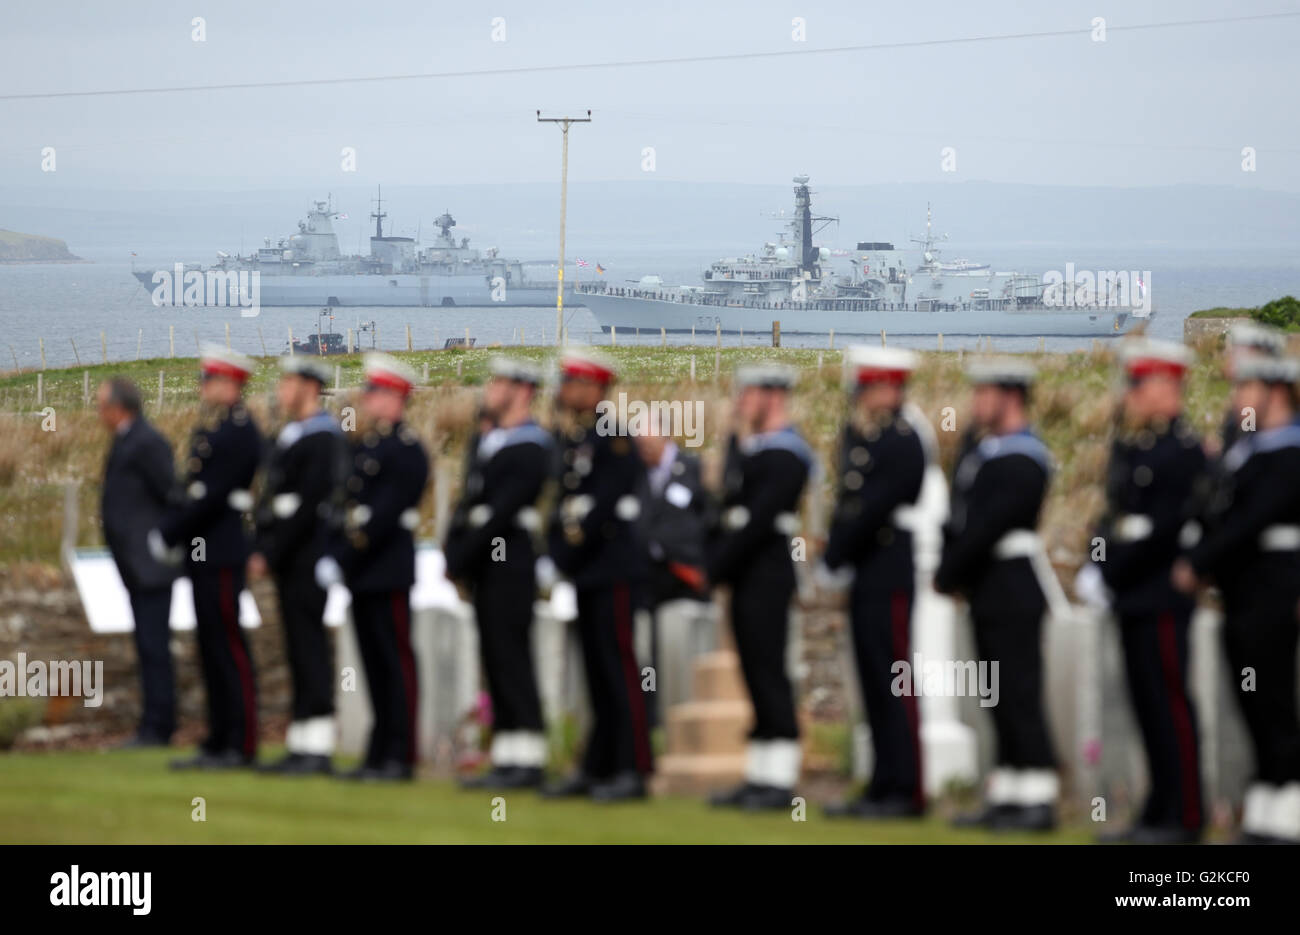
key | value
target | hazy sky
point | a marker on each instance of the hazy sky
(1144, 107)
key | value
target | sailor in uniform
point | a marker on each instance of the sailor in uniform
(1246, 339)
(489, 549)
(593, 542)
(767, 466)
(373, 552)
(206, 529)
(1251, 550)
(993, 557)
(302, 482)
(882, 465)
(1157, 466)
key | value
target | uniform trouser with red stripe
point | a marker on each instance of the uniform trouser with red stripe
(383, 627)
(503, 607)
(1261, 640)
(1155, 659)
(881, 620)
(227, 664)
(619, 741)
(302, 611)
(760, 621)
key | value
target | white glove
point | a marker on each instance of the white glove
(827, 580)
(328, 571)
(158, 550)
(564, 602)
(1091, 588)
(546, 573)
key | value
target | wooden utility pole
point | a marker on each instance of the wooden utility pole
(565, 123)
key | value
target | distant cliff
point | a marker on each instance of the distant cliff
(32, 248)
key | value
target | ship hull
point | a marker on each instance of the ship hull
(652, 314)
(405, 290)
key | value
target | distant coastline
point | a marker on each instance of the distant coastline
(17, 248)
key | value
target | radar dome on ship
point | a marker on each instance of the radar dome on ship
(782, 253)
(824, 253)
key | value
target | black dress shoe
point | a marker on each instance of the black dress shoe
(874, 809)
(219, 760)
(387, 771)
(731, 798)
(622, 788)
(299, 764)
(572, 787)
(1025, 818)
(505, 777)
(766, 798)
(984, 817)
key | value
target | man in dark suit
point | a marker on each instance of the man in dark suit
(138, 477)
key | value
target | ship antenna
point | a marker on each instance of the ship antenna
(378, 214)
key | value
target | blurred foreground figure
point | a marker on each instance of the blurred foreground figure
(490, 549)
(300, 488)
(1251, 549)
(992, 556)
(1156, 467)
(373, 552)
(593, 542)
(207, 529)
(882, 463)
(138, 480)
(768, 464)
(674, 520)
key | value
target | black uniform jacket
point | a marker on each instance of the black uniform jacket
(1152, 487)
(882, 465)
(998, 487)
(304, 474)
(374, 541)
(225, 449)
(764, 478)
(592, 533)
(1257, 490)
(139, 478)
(504, 478)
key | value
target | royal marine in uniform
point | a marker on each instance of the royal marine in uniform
(768, 463)
(993, 557)
(883, 460)
(593, 542)
(373, 552)
(301, 484)
(489, 548)
(1157, 467)
(206, 528)
(1250, 548)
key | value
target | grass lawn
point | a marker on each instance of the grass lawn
(131, 797)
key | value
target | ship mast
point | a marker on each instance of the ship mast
(379, 214)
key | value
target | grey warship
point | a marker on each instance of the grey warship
(811, 290)
(308, 269)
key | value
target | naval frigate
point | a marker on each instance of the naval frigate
(814, 290)
(308, 269)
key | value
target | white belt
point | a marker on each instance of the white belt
(1025, 543)
(1280, 539)
(1133, 527)
(1018, 543)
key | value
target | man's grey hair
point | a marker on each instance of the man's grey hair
(123, 392)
